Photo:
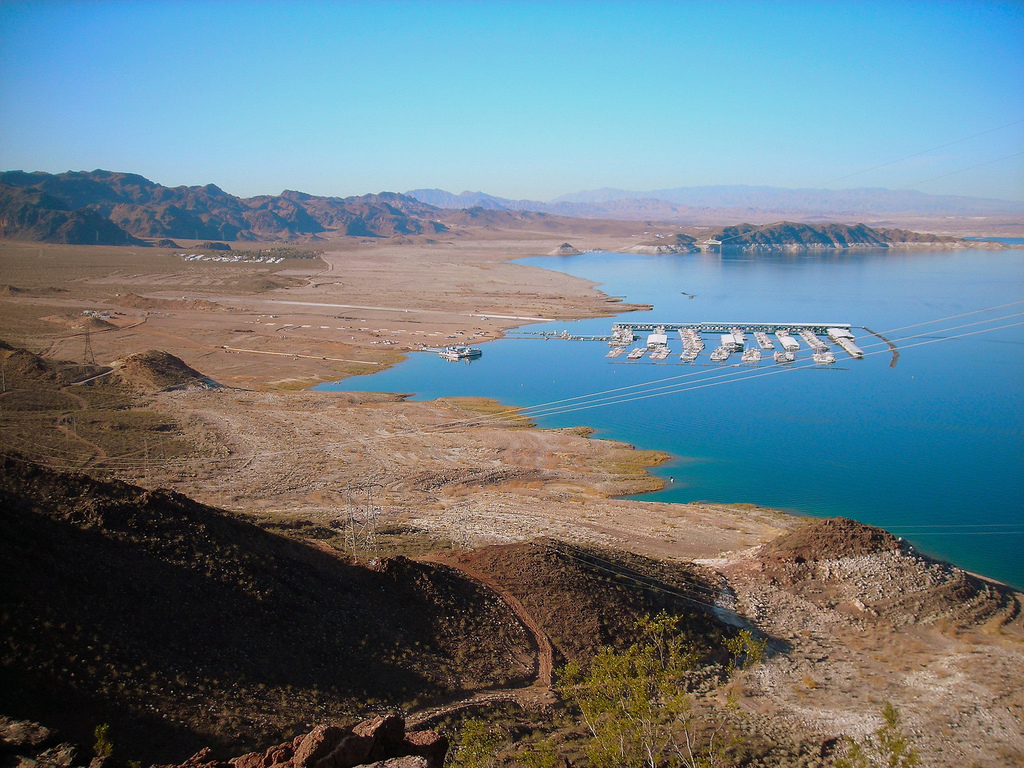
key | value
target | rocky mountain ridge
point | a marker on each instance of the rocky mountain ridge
(107, 208)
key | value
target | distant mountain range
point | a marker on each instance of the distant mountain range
(102, 207)
(108, 208)
(740, 202)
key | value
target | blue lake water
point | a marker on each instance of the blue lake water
(931, 449)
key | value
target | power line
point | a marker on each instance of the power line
(923, 152)
(646, 390)
(961, 170)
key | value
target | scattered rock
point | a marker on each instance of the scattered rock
(18, 735)
(380, 741)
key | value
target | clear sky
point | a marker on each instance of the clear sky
(518, 99)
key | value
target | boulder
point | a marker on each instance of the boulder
(17, 735)
(386, 735)
(317, 745)
(379, 741)
(431, 745)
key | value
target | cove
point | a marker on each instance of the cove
(931, 449)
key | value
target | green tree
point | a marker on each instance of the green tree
(747, 650)
(475, 746)
(890, 747)
(635, 702)
(103, 747)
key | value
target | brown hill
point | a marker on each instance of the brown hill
(586, 598)
(185, 626)
(158, 371)
(25, 370)
(566, 249)
(34, 215)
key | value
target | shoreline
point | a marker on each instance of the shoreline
(299, 347)
(796, 514)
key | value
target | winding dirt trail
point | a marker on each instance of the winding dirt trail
(98, 453)
(538, 695)
(545, 655)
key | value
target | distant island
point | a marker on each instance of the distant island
(791, 235)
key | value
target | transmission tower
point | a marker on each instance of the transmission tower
(88, 358)
(359, 521)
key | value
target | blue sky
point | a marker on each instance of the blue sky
(519, 99)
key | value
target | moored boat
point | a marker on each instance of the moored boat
(460, 353)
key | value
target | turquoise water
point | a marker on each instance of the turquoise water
(931, 449)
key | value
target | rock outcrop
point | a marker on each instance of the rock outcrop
(376, 743)
(838, 561)
(381, 741)
(677, 243)
(566, 249)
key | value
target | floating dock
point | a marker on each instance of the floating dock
(817, 328)
(850, 348)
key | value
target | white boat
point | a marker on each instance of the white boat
(784, 357)
(636, 353)
(460, 353)
(721, 354)
(824, 358)
(751, 355)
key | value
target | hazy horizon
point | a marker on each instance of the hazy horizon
(523, 100)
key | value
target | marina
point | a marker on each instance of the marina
(732, 338)
(900, 465)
